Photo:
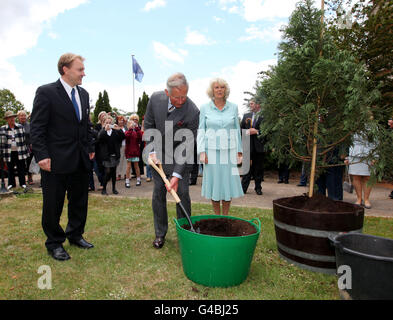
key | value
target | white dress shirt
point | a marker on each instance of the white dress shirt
(68, 89)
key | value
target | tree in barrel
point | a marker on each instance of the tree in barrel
(316, 97)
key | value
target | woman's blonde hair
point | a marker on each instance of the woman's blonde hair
(220, 82)
(100, 115)
(134, 116)
(108, 117)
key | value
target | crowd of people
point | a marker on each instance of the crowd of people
(69, 150)
(118, 149)
(119, 146)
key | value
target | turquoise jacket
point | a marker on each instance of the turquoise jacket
(219, 129)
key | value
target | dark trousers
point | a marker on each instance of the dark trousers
(54, 189)
(332, 182)
(283, 173)
(194, 173)
(100, 171)
(303, 176)
(256, 171)
(110, 173)
(20, 166)
(97, 172)
(159, 201)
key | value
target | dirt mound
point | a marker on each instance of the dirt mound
(223, 227)
(318, 203)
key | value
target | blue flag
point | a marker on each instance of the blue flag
(137, 70)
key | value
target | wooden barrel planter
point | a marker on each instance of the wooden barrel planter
(302, 235)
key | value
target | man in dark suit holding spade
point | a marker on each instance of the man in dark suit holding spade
(171, 123)
(63, 147)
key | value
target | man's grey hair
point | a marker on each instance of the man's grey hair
(175, 81)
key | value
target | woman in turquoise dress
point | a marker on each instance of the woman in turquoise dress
(219, 147)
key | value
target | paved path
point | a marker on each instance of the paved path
(382, 205)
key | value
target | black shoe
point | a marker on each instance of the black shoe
(259, 192)
(127, 184)
(103, 192)
(280, 181)
(301, 185)
(115, 191)
(192, 183)
(286, 181)
(158, 242)
(391, 195)
(81, 243)
(59, 254)
(138, 183)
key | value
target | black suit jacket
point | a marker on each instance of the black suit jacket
(56, 132)
(256, 143)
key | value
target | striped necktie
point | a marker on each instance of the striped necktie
(170, 110)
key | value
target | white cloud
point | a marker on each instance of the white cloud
(167, 55)
(11, 79)
(154, 5)
(53, 35)
(197, 38)
(120, 97)
(256, 10)
(240, 77)
(21, 23)
(267, 34)
(218, 19)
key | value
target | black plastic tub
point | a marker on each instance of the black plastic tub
(370, 262)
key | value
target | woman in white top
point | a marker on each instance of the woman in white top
(359, 168)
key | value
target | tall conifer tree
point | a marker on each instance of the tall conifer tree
(316, 97)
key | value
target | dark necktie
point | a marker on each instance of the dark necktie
(171, 108)
(76, 107)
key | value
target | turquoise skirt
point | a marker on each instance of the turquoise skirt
(221, 180)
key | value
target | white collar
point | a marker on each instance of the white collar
(67, 87)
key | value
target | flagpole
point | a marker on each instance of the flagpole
(133, 84)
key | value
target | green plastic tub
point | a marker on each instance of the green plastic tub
(216, 261)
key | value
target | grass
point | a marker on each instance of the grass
(124, 265)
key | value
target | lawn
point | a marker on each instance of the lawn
(124, 265)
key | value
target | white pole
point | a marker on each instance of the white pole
(133, 85)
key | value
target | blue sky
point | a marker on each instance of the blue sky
(232, 39)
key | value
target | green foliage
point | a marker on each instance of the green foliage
(142, 105)
(370, 38)
(316, 90)
(8, 102)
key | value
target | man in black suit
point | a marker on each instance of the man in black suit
(63, 147)
(251, 122)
